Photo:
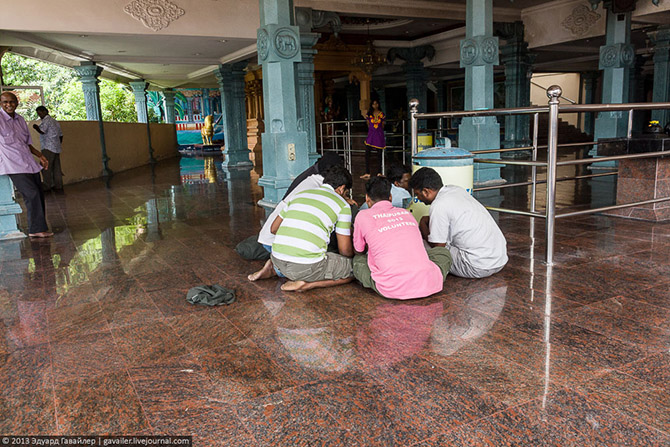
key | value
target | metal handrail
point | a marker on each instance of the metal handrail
(552, 164)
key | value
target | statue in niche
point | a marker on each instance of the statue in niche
(207, 130)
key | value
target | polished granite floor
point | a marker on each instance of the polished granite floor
(96, 336)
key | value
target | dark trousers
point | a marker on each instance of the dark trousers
(30, 187)
(377, 168)
(53, 177)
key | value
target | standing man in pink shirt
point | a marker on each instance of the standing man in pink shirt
(396, 264)
(16, 161)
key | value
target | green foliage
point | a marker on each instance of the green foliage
(63, 95)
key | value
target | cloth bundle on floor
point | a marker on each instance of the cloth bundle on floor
(212, 295)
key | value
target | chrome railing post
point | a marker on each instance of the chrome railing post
(413, 110)
(404, 145)
(553, 92)
(440, 124)
(629, 132)
(533, 191)
(347, 156)
(321, 136)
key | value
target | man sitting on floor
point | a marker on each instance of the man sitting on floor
(313, 181)
(462, 224)
(399, 176)
(303, 229)
(396, 264)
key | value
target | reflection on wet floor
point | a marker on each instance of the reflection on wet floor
(96, 335)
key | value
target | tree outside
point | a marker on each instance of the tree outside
(63, 95)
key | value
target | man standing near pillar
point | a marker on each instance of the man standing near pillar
(51, 139)
(17, 162)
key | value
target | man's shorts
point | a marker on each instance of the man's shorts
(333, 266)
(437, 255)
(461, 267)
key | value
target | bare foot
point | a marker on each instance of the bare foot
(294, 286)
(41, 234)
(365, 176)
(267, 271)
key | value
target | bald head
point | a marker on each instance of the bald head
(8, 102)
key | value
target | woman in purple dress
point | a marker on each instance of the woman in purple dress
(375, 140)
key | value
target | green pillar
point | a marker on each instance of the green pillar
(285, 149)
(8, 211)
(306, 109)
(169, 105)
(616, 58)
(231, 84)
(140, 92)
(661, 92)
(479, 53)
(415, 73)
(518, 61)
(590, 81)
(88, 73)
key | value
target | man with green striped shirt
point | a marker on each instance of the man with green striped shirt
(303, 230)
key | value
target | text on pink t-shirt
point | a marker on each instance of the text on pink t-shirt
(396, 256)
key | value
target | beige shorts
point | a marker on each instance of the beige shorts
(333, 266)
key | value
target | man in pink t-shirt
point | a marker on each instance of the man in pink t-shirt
(396, 265)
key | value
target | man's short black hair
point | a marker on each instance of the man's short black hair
(327, 160)
(337, 176)
(426, 178)
(42, 109)
(378, 188)
(396, 172)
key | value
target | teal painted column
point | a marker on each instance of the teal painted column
(518, 61)
(169, 105)
(88, 73)
(285, 149)
(441, 104)
(140, 92)
(661, 91)
(616, 58)
(304, 18)
(8, 211)
(415, 73)
(353, 112)
(231, 84)
(306, 109)
(206, 107)
(590, 81)
(479, 53)
(381, 92)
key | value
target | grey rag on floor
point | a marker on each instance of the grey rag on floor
(213, 295)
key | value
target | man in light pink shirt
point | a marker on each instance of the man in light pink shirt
(16, 161)
(396, 265)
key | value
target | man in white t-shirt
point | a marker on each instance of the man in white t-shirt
(462, 224)
(51, 139)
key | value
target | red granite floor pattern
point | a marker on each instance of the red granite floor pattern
(96, 336)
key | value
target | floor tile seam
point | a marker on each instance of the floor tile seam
(585, 395)
(478, 420)
(639, 379)
(641, 347)
(208, 350)
(575, 350)
(595, 397)
(468, 382)
(53, 382)
(655, 306)
(85, 333)
(117, 326)
(139, 400)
